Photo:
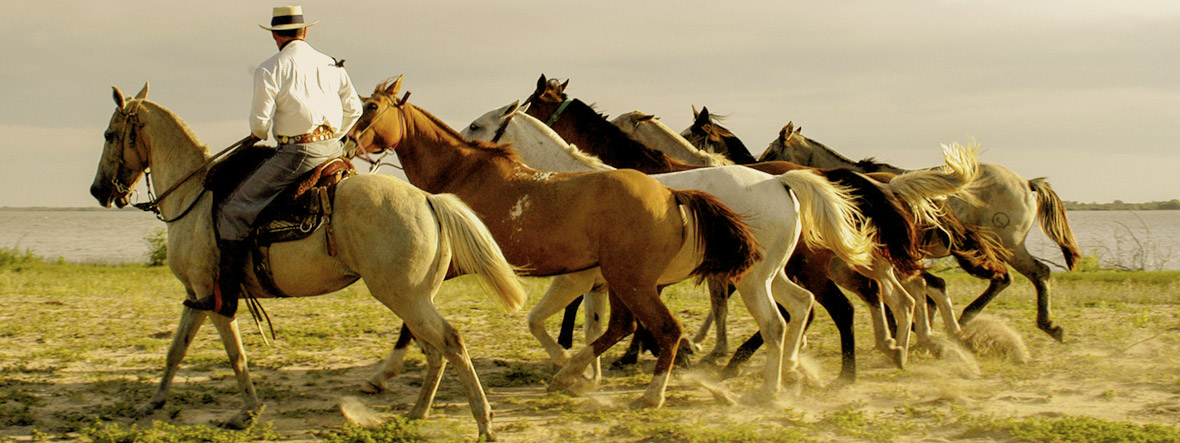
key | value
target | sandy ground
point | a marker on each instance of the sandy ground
(1119, 363)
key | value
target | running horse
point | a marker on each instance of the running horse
(769, 202)
(582, 126)
(398, 239)
(975, 250)
(541, 147)
(621, 225)
(1011, 205)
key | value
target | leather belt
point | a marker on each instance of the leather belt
(323, 132)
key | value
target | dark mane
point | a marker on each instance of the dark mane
(735, 150)
(625, 152)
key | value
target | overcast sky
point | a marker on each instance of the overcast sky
(1084, 92)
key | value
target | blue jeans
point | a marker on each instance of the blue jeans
(240, 210)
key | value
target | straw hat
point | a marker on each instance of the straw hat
(287, 17)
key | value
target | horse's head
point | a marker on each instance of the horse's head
(706, 133)
(547, 97)
(789, 146)
(382, 124)
(491, 126)
(124, 153)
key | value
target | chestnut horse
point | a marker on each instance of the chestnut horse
(1011, 205)
(761, 196)
(555, 224)
(396, 238)
(580, 125)
(539, 146)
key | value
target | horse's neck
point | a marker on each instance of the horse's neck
(541, 149)
(661, 138)
(609, 143)
(736, 151)
(175, 153)
(435, 158)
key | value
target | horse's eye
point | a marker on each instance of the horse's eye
(371, 106)
(108, 136)
(473, 127)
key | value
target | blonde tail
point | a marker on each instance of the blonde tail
(829, 219)
(474, 251)
(925, 189)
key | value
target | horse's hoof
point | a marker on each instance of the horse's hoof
(581, 387)
(646, 403)
(243, 419)
(729, 372)
(841, 382)
(1057, 332)
(148, 408)
(624, 361)
(371, 387)
(487, 436)
(418, 413)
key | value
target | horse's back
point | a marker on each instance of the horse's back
(1008, 206)
(385, 226)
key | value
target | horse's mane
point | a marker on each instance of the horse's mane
(736, 150)
(181, 125)
(867, 165)
(626, 151)
(502, 150)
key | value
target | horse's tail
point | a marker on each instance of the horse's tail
(977, 250)
(918, 188)
(474, 251)
(729, 248)
(829, 218)
(895, 229)
(1051, 212)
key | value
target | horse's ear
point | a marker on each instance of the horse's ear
(524, 107)
(542, 83)
(644, 117)
(695, 113)
(513, 107)
(798, 129)
(120, 100)
(700, 119)
(785, 133)
(142, 92)
(563, 85)
(393, 89)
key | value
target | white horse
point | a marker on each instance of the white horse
(652, 132)
(540, 147)
(398, 239)
(780, 209)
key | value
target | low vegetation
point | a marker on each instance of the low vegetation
(82, 345)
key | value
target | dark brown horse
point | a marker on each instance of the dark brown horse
(580, 125)
(551, 224)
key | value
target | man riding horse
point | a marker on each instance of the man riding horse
(307, 100)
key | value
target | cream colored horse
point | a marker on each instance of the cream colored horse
(397, 238)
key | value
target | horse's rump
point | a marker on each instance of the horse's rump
(895, 227)
(729, 247)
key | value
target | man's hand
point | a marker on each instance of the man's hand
(250, 141)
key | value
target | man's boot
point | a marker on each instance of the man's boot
(230, 277)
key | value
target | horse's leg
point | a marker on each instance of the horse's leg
(432, 329)
(921, 318)
(435, 365)
(231, 337)
(621, 323)
(798, 302)
(993, 289)
(841, 311)
(596, 302)
(392, 364)
(870, 291)
(1038, 274)
(719, 293)
(903, 312)
(569, 318)
(644, 302)
(190, 321)
(562, 290)
(936, 290)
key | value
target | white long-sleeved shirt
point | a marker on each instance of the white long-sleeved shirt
(300, 89)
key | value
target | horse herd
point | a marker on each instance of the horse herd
(524, 190)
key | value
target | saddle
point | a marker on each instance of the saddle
(295, 214)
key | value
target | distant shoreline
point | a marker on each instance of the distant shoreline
(57, 208)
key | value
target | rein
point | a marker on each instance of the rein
(503, 128)
(153, 203)
(363, 154)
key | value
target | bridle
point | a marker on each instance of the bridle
(363, 153)
(131, 127)
(503, 128)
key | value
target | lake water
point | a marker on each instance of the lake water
(118, 236)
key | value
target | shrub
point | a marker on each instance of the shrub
(157, 241)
